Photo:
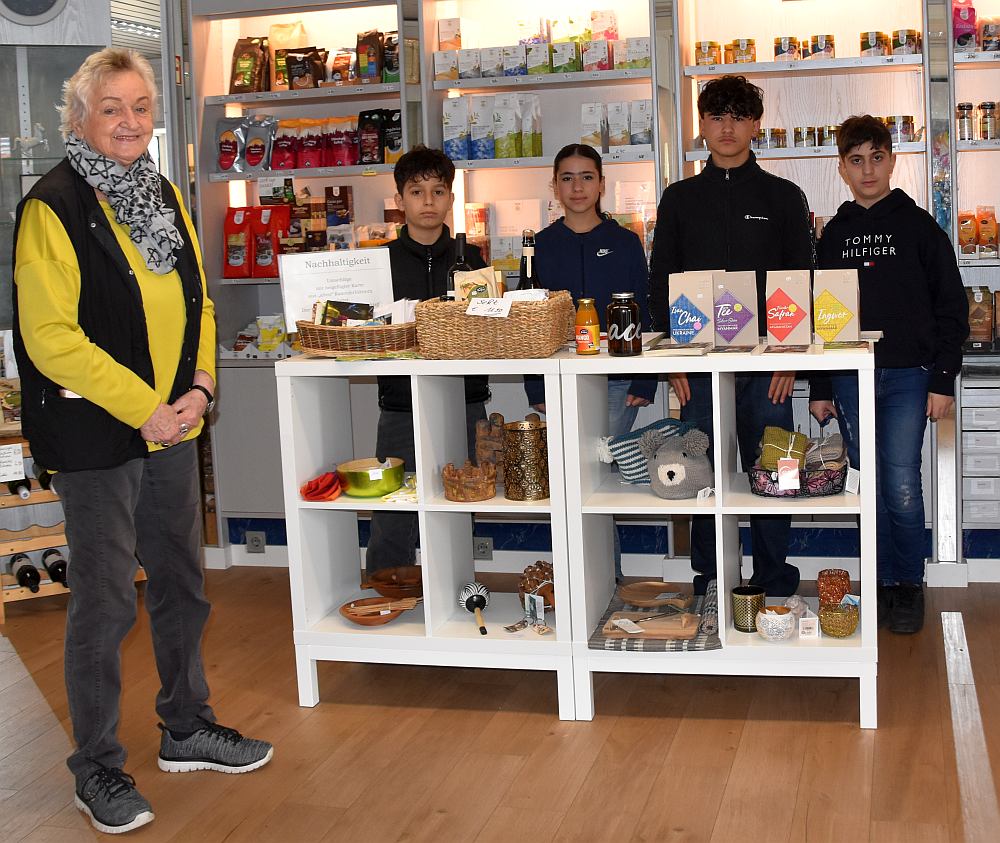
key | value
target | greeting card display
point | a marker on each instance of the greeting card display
(691, 307)
(787, 303)
(735, 308)
(835, 305)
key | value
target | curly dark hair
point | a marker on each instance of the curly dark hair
(860, 129)
(422, 162)
(731, 95)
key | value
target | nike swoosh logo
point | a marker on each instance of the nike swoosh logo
(603, 252)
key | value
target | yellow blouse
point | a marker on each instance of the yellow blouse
(47, 277)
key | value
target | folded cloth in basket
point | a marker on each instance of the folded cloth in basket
(778, 443)
(826, 453)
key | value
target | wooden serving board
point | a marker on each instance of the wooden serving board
(680, 627)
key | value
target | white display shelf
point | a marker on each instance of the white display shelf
(307, 173)
(977, 145)
(586, 77)
(311, 95)
(807, 152)
(315, 421)
(965, 61)
(354, 504)
(619, 155)
(808, 67)
(739, 500)
(978, 262)
(593, 497)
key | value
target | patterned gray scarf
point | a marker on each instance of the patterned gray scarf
(135, 196)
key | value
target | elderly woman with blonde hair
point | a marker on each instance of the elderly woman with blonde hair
(115, 339)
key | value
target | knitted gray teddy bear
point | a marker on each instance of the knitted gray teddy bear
(679, 467)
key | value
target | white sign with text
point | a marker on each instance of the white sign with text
(352, 275)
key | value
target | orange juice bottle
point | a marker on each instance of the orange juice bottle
(588, 328)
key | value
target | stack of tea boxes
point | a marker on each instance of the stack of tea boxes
(720, 309)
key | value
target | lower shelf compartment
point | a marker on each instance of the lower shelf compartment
(504, 609)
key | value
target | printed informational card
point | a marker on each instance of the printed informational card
(11, 463)
(354, 275)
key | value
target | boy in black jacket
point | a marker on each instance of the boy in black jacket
(733, 216)
(911, 291)
(419, 258)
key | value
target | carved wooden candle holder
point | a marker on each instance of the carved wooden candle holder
(489, 442)
(470, 482)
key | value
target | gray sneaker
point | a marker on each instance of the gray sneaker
(109, 797)
(212, 747)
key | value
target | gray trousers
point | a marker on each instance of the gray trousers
(147, 508)
(394, 535)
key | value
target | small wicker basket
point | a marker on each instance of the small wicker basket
(331, 340)
(470, 482)
(533, 329)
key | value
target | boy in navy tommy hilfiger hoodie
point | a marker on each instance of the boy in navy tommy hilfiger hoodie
(911, 291)
(592, 256)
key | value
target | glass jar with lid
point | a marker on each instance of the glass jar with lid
(988, 120)
(772, 139)
(901, 127)
(707, 52)
(806, 136)
(829, 135)
(964, 123)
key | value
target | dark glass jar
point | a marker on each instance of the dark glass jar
(624, 326)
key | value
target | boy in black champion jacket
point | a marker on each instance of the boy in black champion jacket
(911, 291)
(733, 216)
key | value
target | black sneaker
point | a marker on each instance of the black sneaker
(886, 597)
(212, 747)
(907, 615)
(109, 797)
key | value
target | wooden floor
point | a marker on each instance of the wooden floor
(412, 754)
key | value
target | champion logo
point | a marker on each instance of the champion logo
(603, 253)
(752, 217)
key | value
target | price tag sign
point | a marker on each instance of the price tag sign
(11, 463)
(788, 474)
(494, 308)
(375, 474)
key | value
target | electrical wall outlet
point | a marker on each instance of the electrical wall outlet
(257, 541)
(482, 547)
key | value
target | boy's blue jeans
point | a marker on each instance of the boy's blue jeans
(620, 420)
(900, 422)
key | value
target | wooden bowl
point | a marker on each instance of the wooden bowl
(368, 620)
(395, 583)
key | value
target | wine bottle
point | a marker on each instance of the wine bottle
(460, 265)
(21, 488)
(43, 477)
(529, 269)
(55, 566)
(24, 572)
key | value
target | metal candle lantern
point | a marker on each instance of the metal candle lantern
(526, 460)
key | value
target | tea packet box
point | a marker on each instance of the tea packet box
(618, 116)
(455, 128)
(515, 60)
(482, 144)
(619, 54)
(640, 123)
(565, 57)
(531, 124)
(450, 34)
(507, 126)
(735, 308)
(592, 124)
(787, 304)
(537, 59)
(596, 55)
(691, 307)
(446, 65)
(469, 66)
(836, 314)
(637, 50)
(491, 61)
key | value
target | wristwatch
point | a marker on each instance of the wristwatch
(207, 394)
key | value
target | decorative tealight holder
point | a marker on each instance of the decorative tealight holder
(839, 620)
(470, 482)
(832, 584)
(747, 601)
(776, 623)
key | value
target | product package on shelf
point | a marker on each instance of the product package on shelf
(482, 145)
(531, 124)
(515, 60)
(340, 216)
(505, 253)
(565, 57)
(640, 123)
(618, 124)
(371, 137)
(596, 55)
(236, 243)
(284, 36)
(691, 307)
(491, 61)
(446, 65)
(638, 53)
(981, 313)
(507, 126)
(455, 128)
(264, 338)
(268, 225)
(593, 125)
(392, 135)
(788, 308)
(371, 46)
(604, 24)
(963, 26)
(469, 64)
(836, 314)
(619, 54)
(450, 34)
(537, 59)
(250, 60)
(735, 305)
(390, 57)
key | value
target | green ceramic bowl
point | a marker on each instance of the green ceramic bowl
(367, 478)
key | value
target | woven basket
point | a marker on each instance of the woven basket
(331, 340)
(533, 329)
